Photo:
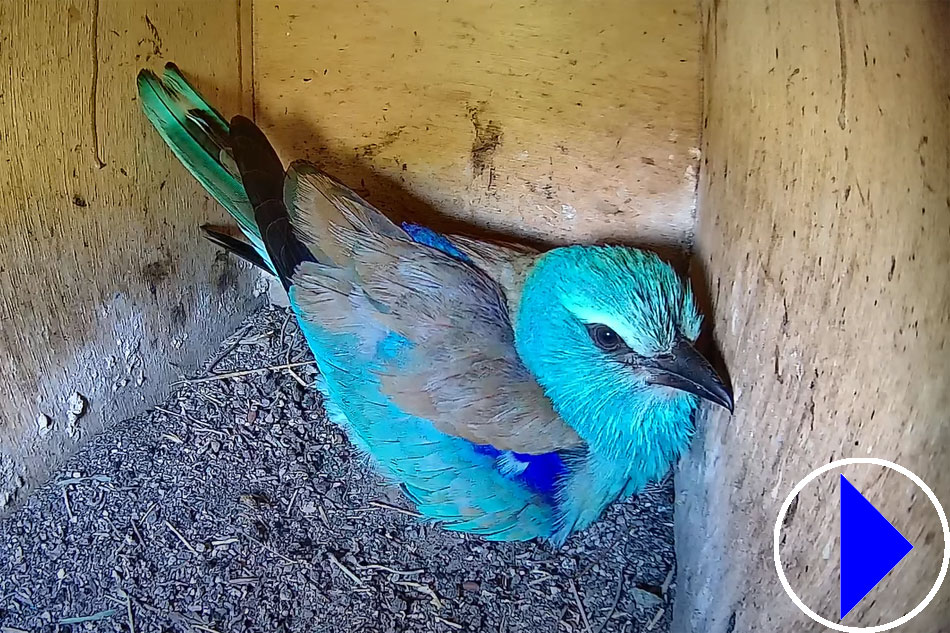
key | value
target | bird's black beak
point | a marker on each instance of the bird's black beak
(685, 369)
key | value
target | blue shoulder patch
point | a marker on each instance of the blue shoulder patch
(428, 237)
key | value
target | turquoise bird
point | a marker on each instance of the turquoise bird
(511, 393)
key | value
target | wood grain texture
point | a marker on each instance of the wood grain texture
(824, 240)
(106, 286)
(557, 121)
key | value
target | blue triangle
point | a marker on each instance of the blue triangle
(870, 546)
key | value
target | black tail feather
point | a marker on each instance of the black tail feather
(233, 245)
(262, 174)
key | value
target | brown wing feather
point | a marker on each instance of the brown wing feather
(462, 371)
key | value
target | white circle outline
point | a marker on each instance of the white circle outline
(880, 627)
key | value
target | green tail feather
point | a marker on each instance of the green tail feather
(198, 136)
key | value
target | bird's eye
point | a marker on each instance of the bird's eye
(604, 338)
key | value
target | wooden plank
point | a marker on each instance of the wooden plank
(105, 284)
(823, 233)
(557, 121)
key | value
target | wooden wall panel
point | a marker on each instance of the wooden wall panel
(824, 240)
(558, 121)
(105, 285)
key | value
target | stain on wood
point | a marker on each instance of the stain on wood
(527, 119)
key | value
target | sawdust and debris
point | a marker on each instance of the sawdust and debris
(236, 506)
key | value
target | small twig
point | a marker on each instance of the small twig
(202, 627)
(245, 372)
(544, 577)
(205, 429)
(293, 498)
(580, 606)
(69, 509)
(102, 479)
(665, 587)
(172, 413)
(270, 549)
(238, 337)
(138, 534)
(299, 380)
(409, 572)
(127, 602)
(386, 506)
(323, 515)
(213, 401)
(560, 619)
(12, 629)
(656, 618)
(448, 623)
(223, 542)
(343, 568)
(283, 328)
(148, 512)
(95, 617)
(433, 597)
(181, 538)
(613, 607)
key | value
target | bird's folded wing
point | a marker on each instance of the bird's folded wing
(435, 329)
(507, 263)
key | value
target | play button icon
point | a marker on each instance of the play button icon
(870, 546)
(834, 538)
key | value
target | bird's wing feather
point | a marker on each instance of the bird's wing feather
(507, 263)
(436, 328)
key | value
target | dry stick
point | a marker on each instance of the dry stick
(295, 376)
(386, 506)
(323, 514)
(408, 572)
(238, 337)
(613, 607)
(665, 587)
(290, 349)
(580, 606)
(245, 372)
(656, 618)
(127, 603)
(181, 538)
(270, 549)
(148, 512)
(283, 328)
(69, 510)
(448, 623)
(433, 597)
(343, 568)
(128, 611)
(138, 534)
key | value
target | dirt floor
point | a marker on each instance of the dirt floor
(236, 506)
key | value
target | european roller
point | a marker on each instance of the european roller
(511, 393)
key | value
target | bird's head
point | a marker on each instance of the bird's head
(608, 332)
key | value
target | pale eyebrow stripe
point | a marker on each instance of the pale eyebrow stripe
(590, 317)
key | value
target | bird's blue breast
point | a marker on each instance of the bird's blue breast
(541, 472)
